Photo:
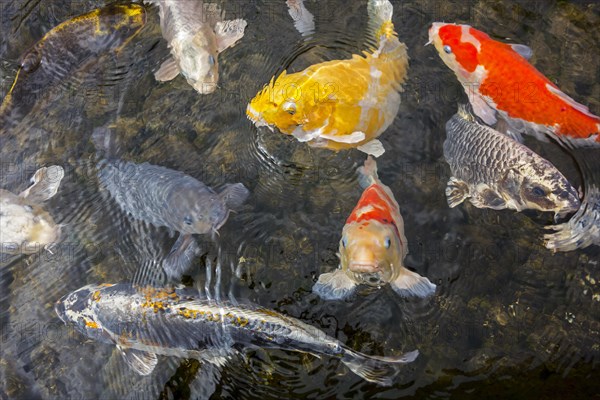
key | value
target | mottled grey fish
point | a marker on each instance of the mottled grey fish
(71, 45)
(494, 171)
(196, 34)
(146, 322)
(25, 227)
(165, 197)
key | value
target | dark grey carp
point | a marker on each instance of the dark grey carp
(146, 322)
(494, 171)
(72, 45)
(165, 197)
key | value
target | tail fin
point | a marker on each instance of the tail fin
(380, 370)
(367, 174)
(380, 19)
(104, 140)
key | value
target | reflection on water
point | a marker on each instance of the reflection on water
(509, 315)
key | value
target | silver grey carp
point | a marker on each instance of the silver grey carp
(165, 197)
(494, 171)
(144, 322)
(196, 34)
(25, 227)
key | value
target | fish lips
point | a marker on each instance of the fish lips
(256, 117)
(367, 273)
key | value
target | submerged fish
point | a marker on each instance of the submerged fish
(146, 322)
(494, 171)
(196, 34)
(165, 197)
(373, 246)
(498, 78)
(71, 45)
(25, 227)
(304, 21)
(340, 104)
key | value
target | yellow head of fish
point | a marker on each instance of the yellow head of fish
(281, 104)
(371, 253)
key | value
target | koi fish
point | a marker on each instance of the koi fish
(146, 322)
(196, 34)
(494, 171)
(65, 48)
(340, 104)
(25, 227)
(373, 246)
(498, 79)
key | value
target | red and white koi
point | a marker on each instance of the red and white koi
(373, 246)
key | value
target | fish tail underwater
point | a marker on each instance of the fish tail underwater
(298, 199)
(381, 370)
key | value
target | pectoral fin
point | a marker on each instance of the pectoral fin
(168, 70)
(374, 147)
(484, 197)
(456, 192)
(140, 361)
(334, 285)
(229, 32)
(522, 50)
(354, 137)
(412, 284)
(234, 195)
(46, 181)
(482, 109)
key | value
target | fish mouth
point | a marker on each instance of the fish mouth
(374, 279)
(362, 268)
(255, 116)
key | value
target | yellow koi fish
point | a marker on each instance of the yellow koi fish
(340, 104)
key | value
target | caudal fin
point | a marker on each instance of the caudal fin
(380, 370)
(380, 24)
(367, 174)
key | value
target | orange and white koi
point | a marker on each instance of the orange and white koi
(499, 79)
(340, 104)
(373, 246)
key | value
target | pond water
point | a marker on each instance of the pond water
(509, 318)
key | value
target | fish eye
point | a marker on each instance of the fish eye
(387, 242)
(289, 107)
(344, 242)
(187, 220)
(538, 191)
(447, 49)
(211, 59)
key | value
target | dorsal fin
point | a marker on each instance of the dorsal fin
(522, 50)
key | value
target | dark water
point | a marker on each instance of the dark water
(509, 318)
